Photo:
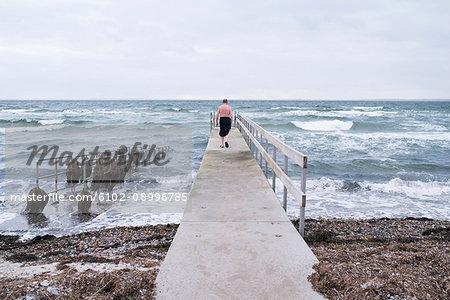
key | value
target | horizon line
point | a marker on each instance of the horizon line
(231, 99)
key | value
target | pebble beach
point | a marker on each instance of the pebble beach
(383, 258)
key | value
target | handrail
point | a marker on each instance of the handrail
(251, 132)
(56, 175)
(293, 154)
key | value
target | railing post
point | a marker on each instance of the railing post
(301, 222)
(257, 152)
(274, 176)
(260, 153)
(267, 148)
(249, 139)
(253, 144)
(249, 134)
(284, 187)
(210, 121)
(234, 119)
(84, 174)
(37, 175)
(56, 177)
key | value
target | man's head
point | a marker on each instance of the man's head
(225, 101)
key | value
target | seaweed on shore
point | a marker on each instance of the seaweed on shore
(123, 284)
(21, 257)
(384, 258)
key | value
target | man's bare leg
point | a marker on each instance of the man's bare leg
(226, 138)
(222, 141)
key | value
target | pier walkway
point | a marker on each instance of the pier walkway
(235, 241)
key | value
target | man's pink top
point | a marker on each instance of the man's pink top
(225, 111)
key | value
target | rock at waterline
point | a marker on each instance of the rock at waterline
(36, 202)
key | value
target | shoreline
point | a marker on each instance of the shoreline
(358, 258)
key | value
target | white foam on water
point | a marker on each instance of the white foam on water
(416, 189)
(6, 216)
(410, 136)
(368, 107)
(357, 113)
(17, 110)
(336, 198)
(51, 122)
(176, 108)
(325, 125)
(27, 128)
(76, 113)
(119, 111)
(424, 126)
(302, 113)
(337, 113)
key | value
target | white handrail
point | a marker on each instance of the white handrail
(298, 157)
(248, 129)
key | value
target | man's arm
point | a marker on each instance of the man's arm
(217, 117)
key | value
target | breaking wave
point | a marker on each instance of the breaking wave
(325, 125)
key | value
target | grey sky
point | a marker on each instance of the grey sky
(86, 49)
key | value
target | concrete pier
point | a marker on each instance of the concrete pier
(235, 241)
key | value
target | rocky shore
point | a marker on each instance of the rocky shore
(359, 259)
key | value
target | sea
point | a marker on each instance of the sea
(366, 159)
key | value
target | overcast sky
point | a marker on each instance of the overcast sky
(100, 49)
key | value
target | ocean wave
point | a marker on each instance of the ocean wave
(408, 188)
(35, 128)
(400, 136)
(414, 189)
(302, 113)
(19, 122)
(286, 107)
(51, 122)
(357, 113)
(183, 110)
(76, 113)
(325, 125)
(368, 107)
(434, 127)
(339, 198)
(16, 110)
(338, 113)
(424, 125)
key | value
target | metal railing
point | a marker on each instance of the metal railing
(258, 140)
(56, 174)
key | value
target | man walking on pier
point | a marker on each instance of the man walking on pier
(226, 117)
